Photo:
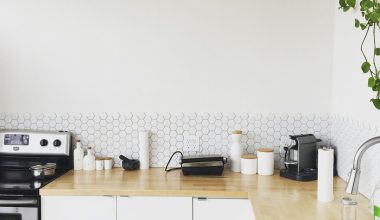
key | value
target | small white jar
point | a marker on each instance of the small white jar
(108, 163)
(265, 161)
(248, 164)
(99, 163)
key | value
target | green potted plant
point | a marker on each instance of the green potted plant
(369, 24)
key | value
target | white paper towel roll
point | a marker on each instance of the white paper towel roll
(144, 149)
(325, 174)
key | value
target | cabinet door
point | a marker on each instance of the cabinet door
(222, 209)
(78, 207)
(146, 208)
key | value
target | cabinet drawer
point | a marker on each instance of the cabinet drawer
(78, 207)
(143, 208)
(222, 209)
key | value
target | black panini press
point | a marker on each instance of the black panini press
(203, 165)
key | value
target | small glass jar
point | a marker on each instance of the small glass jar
(349, 208)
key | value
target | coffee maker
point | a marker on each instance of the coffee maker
(301, 159)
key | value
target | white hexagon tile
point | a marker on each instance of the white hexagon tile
(114, 134)
(347, 136)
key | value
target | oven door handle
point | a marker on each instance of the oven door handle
(18, 202)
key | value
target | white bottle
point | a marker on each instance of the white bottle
(78, 156)
(89, 160)
(144, 149)
(376, 202)
(236, 151)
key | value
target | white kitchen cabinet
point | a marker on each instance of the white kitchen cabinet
(78, 207)
(146, 208)
(222, 209)
(143, 208)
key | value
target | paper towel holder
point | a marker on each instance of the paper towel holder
(326, 147)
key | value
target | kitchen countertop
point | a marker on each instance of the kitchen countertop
(272, 197)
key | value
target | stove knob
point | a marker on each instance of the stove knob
(57, 143)
(44, 142)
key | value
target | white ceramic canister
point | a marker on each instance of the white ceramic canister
(99, 163)
(265, 161)
(78, 156)
(236, 151)
(108, 163)
(89, 160)
(248, 164)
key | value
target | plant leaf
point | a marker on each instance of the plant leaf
(363, 26)
(371, 82)
(375, 17)
(345, 9)
(376, 103)
(366, 67)
(357, 23)
(342, 3)
(377, 51)
(366, 4)
(351, 3)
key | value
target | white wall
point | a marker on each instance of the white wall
(351, 96)
(356, 120)
(168, 55)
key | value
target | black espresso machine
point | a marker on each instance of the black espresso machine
(301, 159)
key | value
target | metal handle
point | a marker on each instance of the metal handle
(225, 160)
(291, 162)
(19, 202)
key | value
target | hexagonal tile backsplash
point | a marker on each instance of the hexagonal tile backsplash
(115, 134)
(347, 136)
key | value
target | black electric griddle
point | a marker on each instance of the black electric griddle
(203, 165)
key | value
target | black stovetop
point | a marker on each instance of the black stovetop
(16, 179)
(21, 182)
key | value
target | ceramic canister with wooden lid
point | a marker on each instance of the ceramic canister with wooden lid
(248, 164)
(235, 150)
(265, 161)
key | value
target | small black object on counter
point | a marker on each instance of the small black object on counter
(129, 164)
(203, 165)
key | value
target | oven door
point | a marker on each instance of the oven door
(19, 208)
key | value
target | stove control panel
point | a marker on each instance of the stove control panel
(35, 142)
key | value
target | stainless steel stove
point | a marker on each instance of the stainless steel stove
(19, 150)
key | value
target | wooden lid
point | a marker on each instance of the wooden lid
(103, 158)
(107, 158)
(249, 156)
(265, 150)
(237, 132)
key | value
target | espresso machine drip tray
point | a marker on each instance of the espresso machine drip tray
(300, 176)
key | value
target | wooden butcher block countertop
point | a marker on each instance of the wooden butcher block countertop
(272, 197)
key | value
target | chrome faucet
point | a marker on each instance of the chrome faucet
(353, 181)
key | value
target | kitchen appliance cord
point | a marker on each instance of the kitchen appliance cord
(176, 168)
